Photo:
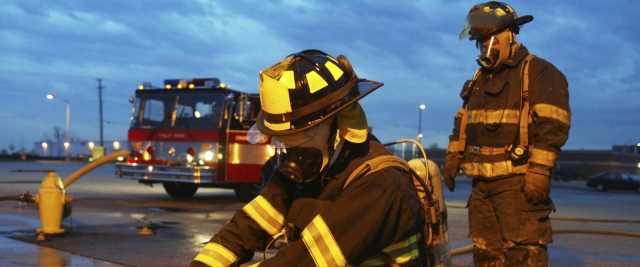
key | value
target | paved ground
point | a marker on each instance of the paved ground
(108, 214)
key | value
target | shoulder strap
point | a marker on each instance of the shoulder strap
(524, 118)
(376, 164)
(462, 136)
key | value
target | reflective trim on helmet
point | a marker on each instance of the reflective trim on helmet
(364, 88)
(263, 213)
(542, 157)
(493, 116)
(553, 112)
(216, 255)
(334, 69)
(492, 169)
(315, 82)
(322, 245)
(489, 18)
(272, 93)
(288, 79)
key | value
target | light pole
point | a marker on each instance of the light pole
(67, 144)
(422, 107)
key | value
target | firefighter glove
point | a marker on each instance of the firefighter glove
(536, 186)
(451, 166)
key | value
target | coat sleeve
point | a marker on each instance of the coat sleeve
(250, 228)
(550, 113)
(372, 213)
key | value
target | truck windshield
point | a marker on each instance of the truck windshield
(189, 110)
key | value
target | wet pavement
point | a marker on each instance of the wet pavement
(109, 214)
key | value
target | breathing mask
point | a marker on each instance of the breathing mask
(304, 155)
(495, 49)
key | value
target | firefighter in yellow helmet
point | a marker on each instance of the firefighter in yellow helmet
(310, 111)
(514, 120)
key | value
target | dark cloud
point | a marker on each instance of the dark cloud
(411, 46)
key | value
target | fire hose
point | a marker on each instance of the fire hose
(53, 202)
(469, 248)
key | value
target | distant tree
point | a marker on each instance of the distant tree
(3, 152)
(12, 148)
(434, 146)
(60, 136)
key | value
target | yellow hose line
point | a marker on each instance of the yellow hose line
(597, 232)
(461, 250)
(569, 219)
(593, 220)
(84, 170)
(469, 248)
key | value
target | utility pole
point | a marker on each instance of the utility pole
(100, 99)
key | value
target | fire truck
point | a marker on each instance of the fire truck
(193, 133)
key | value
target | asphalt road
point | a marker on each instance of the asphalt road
(108, 214)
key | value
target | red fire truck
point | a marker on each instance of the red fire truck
(193, 133)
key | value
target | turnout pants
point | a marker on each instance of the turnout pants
(506, 229)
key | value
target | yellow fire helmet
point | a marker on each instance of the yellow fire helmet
(489, 18)
(307, 88)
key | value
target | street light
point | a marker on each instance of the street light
(422, 107)
(67, 143)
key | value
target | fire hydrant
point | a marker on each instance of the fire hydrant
(54, 205)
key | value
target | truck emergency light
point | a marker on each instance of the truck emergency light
(195, 83)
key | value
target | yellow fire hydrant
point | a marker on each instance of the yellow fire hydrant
(52, 202)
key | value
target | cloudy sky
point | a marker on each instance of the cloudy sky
(64, 46)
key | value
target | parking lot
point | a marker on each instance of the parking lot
(591, 228)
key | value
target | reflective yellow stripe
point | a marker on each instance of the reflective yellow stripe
(321, 245)
(261, 211)
(492, 169)
(214, 254)
(405, 250)
(373, 262)
(493, 116)
(336, 71)
(551, 111)
(399, 253)
(288, 79)
(271, 94)
(453, 146)
(542, 157)
(315, 82)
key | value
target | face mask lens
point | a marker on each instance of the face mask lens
(488, 52)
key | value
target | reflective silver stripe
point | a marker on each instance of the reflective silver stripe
(493, 116)
(492, 169)
(321, 245)
(399, 253)
(215, 255)
(551, 111)
(263, 213)
(543, 157)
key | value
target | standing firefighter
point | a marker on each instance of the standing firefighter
(320, 133)
(506, 137)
